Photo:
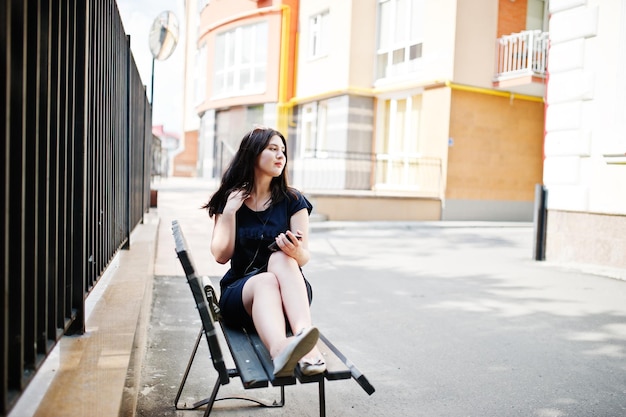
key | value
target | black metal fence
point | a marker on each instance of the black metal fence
(75, 159)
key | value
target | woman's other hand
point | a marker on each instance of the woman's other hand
(224, 229)
(235, 200)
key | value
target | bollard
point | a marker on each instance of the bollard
(539, 223)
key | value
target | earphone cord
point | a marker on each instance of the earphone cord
(245, 272)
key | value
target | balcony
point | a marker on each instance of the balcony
(353, 173)
(521, 62)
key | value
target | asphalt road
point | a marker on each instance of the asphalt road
(445, 319)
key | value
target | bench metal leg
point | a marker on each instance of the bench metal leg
(211, 400)
(322, 391)
(182, 383)
(216, 387)
(260, 403)
(282, 396)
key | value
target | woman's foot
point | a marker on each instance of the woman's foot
(285, 362)
(309, 366)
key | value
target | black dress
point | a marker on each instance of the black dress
(255, 231)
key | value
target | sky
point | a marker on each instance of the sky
(137, 18)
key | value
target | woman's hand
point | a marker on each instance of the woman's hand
(224, 229)
(290, 243)
(235, 200)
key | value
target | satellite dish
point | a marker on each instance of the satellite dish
(164, 35)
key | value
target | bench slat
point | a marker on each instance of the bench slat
(335, 368)
(246, 359)
(356, 374)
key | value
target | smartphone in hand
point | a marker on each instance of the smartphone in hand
(274, 246)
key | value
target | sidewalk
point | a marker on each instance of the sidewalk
(445, 319)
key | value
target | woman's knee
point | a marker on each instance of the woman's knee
(279, 260)
(265, 281)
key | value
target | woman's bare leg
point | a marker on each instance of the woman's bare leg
(262, 300)
(293, 292)
(269, 296)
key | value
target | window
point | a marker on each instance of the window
(398, 151)
(400, 36)
(314, 130)
(318, 35)
(241, 61)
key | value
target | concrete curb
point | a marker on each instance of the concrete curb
(89, 374)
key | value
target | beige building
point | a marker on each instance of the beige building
(394, 109)
(400, 112)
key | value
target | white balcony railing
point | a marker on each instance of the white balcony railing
(523, 53)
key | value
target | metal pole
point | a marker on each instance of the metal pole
(152, 86)
(540, 219)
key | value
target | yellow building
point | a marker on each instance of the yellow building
(394, 109)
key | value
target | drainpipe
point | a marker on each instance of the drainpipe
(371, 92)
(283, 107)
(498, 93)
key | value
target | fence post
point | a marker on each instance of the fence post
(129, 171)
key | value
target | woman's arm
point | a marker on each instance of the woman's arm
(225, 228)
(223, 238)
(297, 249)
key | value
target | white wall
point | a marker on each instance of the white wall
(475, 44)
(331, 72)
(191, 120)
(586, 115)
(351, 59)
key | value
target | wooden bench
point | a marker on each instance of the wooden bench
(253, 364)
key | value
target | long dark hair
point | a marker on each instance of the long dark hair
(240, 171)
